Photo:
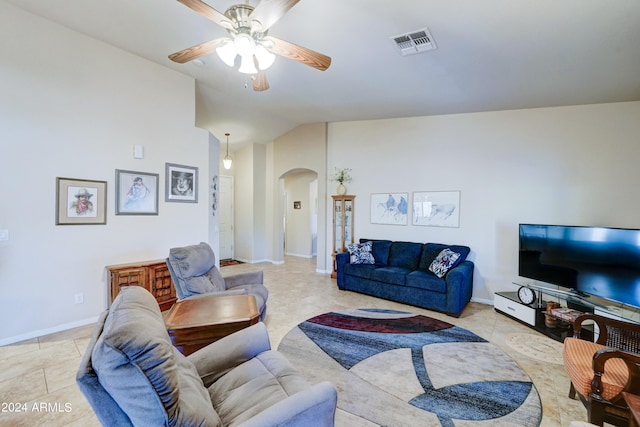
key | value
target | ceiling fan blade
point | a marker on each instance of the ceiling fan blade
(194, 52)
(208, 12)
(268, 12)
(298, 53)
(260, 82)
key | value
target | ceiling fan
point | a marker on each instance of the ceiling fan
(247, 27)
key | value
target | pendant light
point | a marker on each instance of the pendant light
(227, 161)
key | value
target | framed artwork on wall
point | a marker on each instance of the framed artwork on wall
(136, 193)
(436, 208)
(181, 183)
(389, 208)
(80, 201)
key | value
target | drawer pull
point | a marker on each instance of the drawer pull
(511, 308)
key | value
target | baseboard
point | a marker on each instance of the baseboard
(47, 331)
(482, 301)
(298, 255)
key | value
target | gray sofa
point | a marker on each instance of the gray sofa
(419, 274)
(194, 273)
(132, 375)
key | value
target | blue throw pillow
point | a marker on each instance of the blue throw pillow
(443, 262)
(360, 253)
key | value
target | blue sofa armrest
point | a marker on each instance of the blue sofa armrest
(342, 259)
(459, 287)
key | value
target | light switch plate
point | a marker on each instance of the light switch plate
(4, 235)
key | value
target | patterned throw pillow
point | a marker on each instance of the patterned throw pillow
(443, 262)
(360, 253)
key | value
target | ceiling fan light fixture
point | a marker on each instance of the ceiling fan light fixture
(246, 65)
(227, 53)
(264, 57)
(245, 44)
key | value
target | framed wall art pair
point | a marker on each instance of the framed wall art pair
(429, 208)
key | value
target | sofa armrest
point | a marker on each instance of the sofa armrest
(250, 278)
(219, 357)
(315, 406)
(459, 287)
(342, 259)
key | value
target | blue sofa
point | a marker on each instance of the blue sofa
(404, 272)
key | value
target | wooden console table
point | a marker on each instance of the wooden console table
(195, 323)
(154, 276)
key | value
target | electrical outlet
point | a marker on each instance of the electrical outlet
(79, 298)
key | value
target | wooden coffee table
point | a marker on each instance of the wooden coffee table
(195, 323)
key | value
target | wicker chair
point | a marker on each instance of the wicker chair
(618, 349)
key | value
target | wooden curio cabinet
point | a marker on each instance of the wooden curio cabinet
(342, 226)
(154, 276)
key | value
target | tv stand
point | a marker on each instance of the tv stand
(533, 315)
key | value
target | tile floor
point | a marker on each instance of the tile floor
(37, 377)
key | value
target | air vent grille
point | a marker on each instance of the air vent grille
(414, 42)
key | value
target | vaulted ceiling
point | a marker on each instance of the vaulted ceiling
(491, 55)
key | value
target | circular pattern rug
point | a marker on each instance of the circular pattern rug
(537, 347)
(395, 368)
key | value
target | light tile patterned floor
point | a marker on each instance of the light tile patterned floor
(37, 377)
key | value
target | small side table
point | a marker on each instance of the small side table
(195, 323)
(634, 407)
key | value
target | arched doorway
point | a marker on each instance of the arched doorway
(299, 191)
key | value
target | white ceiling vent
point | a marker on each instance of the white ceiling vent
(414, 42)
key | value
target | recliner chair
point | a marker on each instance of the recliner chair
(132, 375)
(194, 272)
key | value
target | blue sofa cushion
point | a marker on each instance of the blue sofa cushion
(431, 250)
(379, 250)
(405, 255)
(391, 275)
(362, 271)
(427, 281)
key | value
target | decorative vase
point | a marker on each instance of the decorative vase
(342, 190)
(550, 321)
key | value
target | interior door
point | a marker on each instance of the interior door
(226, 217)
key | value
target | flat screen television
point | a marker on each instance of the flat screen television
(591, 261)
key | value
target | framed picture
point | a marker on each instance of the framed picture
(297, 205)
(136, 193)
(389, 208)
(80, 201)
(181, 183)
(436, 208)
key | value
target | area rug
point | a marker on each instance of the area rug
(537, 347)
(395, 368)
(227, 262)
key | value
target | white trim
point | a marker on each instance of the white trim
(299, 255)
(42, 332)
(482, 301)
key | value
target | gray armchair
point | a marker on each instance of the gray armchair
(194, 272)
(132, 376)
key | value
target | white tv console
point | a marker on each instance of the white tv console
(507, 303)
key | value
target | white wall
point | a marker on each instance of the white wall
(251, 234)
(299, 239)
(302, 148)
(74, 107)
(567, 165)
